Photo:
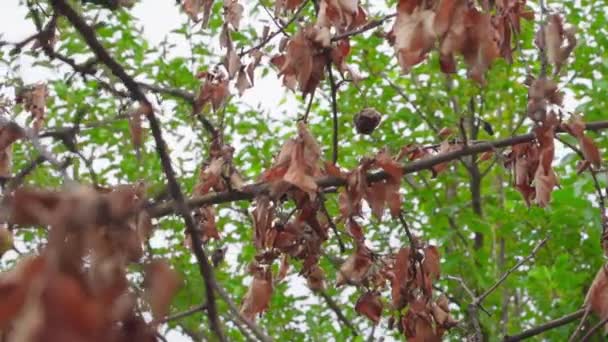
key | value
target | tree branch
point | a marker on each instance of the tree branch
(183, 314)
(248, 192)
(336, 309)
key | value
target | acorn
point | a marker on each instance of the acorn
(367, 120)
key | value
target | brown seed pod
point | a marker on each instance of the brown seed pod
(367, 120)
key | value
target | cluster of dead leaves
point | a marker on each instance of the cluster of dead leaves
(531, 162)
(304, 57)
(77, 289)
(341, 15)
(542, 94)
(414, 271)
(292, 173)
(297, 164)
(410, 273)
(460, 29)
(215, 88)
(216, 175)
(557, 40)
(379, 194)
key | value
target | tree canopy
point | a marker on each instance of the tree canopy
(435, 171)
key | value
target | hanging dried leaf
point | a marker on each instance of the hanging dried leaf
(412, 34)
(258, 296)
(370, 306)
(431, 262)
(194, 7)
(162, 283)
(214, 90)
(315, 278)
(556, 40)
(354, 270)
(597, 296)
(233, 13)
(576, 128)
(401, 277)
(340, 14)
(242, 82)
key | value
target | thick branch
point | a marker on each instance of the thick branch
(248, 192)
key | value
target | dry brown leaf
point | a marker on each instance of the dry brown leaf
(557, 41)
(340, 14)
(315, 278)
(413, 34)
(370, 306)
(233, 13)
(258, 295)
(597, 296)
(354, 270)
(34, 101)
(214, 90)
(401, 277)
(162, 283)
(242, 82)
(431, 262)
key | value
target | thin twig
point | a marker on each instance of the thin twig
(183, 314)
(265, 41)
(309, 106)
(234, 310)
(407, 230)
(331, 223)
(370, 25)
(579, 327)
(491, 289)
(18, 179)
(595, 328)
(334, 110)
(336, 309)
